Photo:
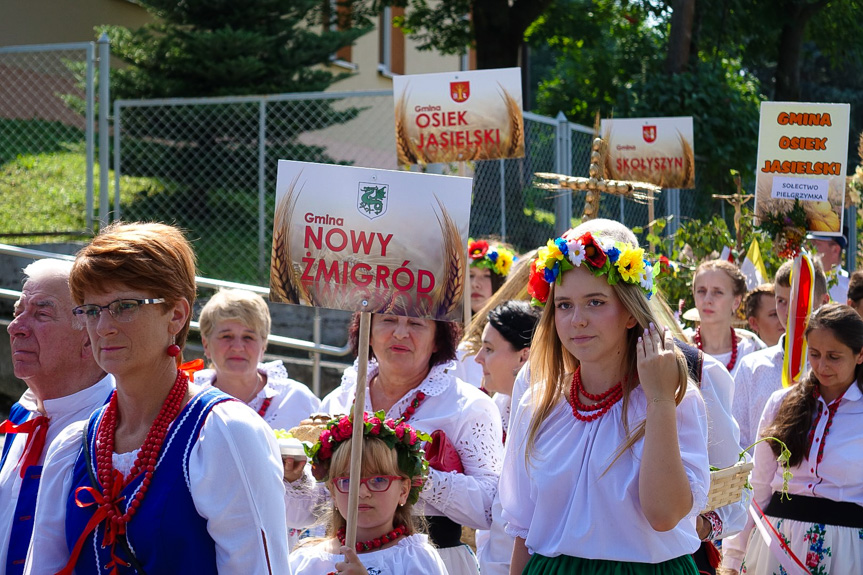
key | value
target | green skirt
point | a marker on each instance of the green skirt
(566, 565)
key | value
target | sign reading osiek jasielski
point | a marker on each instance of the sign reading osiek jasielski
(362, 239)
(802, 153)
(659, 151)
(459, 116)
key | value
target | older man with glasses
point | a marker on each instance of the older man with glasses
(51, 354)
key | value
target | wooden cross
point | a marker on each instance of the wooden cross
(595, 185)
(737, 200)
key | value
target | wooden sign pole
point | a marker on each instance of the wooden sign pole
(357, 435)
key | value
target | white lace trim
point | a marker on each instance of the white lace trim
(277, 378)
(514, 532)
(438, 380)
(481, 456)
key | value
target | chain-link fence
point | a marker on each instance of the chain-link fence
(209, 165)
(47, 118)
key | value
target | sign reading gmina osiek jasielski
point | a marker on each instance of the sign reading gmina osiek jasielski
(459, 116)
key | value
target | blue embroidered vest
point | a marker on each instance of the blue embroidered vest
(166, 534)
(22, 521)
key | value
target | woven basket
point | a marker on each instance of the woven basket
(726, 485)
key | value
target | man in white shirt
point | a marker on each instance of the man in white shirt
(52, 355)
(760, 372)
(830, 248)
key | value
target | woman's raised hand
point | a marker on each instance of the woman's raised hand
(351, 565)
(657, 363)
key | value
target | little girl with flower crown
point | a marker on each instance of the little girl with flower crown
(393, 472)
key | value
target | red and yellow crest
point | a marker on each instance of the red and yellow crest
(460, 91)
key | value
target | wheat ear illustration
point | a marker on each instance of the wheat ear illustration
(454, 265)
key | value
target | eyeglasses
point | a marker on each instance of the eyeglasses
(122, 310)
(375, 483)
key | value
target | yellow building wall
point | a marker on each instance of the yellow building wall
(366, 54)
(54, 21)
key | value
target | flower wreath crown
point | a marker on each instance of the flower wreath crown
(617, 261)
(497, 258)
(398, 435)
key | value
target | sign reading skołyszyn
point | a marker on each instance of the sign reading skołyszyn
(361, 239)
(802, 154)
(658, 151)
(459, 116)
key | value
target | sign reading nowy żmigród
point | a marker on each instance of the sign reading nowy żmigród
(362, 239)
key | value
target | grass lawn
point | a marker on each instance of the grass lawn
(46, 192)
(43, 183)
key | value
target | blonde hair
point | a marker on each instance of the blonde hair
(378, 459)
(551, 364)
(514, 288)
(243, 306)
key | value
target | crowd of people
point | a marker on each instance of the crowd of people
(572, 424)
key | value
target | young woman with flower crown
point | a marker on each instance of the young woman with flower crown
(606, 462)
(490, 264)
(393, 472)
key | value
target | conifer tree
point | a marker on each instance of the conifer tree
(200, 48)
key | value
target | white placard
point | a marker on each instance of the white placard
(805, 190)
(362, 239)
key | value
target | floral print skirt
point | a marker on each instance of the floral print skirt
(823, 549)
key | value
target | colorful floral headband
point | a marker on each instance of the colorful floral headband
(398, 435)
(497, 259)
(615, 260)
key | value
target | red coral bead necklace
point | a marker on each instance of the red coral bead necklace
(734, 340)
(604, 401)
(375, 543)
(147, 457)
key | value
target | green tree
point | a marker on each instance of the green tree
(224, 48)
(595, 48)
(494, 28)
(205, 48)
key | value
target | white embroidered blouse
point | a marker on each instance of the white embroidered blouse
(747, 342)
(571, 501)
(411, 556)
(836, 476)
